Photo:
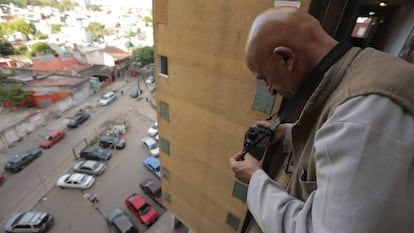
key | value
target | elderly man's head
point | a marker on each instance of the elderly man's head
(283, 46)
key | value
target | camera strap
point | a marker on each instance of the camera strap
(298, 101)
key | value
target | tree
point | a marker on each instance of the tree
(147, 20)
(17, 25)
(144, 55)
(95, 8)
(56, 28)
(97, 30)
(13, 93)
(43, 48)
(6, 48)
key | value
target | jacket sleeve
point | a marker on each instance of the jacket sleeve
(365, 169)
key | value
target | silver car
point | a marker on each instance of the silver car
(31, 221)
(90, 167)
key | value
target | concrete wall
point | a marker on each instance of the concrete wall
(28, 124)
(209, 92)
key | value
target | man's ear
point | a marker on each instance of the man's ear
(287, 56)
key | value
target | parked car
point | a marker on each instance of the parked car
(52, 138)
(150, 79)
(135, 93)
(77, 119)
(31, 221)
(107, 98)
(152, 188)
(1, 179)
(120, 222)
(151, 146)
(111, 142)
(95, 153)
(75, 180)
(20, 160)
(153, 130)
(89, 167)
(153, 165)
(140, 208)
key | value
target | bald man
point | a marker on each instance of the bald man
(353, 143)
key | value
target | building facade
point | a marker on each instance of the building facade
(207, 98)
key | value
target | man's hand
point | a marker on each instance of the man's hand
(279, 132)
(244, 169)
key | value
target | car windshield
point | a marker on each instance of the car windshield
(153, 146)
(48, 138)
(157, 193)
(104, 97)
(83, 179)
(154, 126)
(95, 165)
(144, 209)
(72, 121)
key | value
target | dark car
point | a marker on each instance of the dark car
(111, 142)
(120, 222)
(20, 160)
(31, 221)
(95, 153)
(77, 119)
(153, 189)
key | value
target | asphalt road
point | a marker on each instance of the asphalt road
(34, 186)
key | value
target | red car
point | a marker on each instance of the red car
(52, 138)
(1, 179)
(140, 208)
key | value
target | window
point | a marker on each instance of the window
(163, 66)
(165, 146)
(240, 191)
(263, 101)
(161, 11)
(166, 196)
(232, 221)
(165, 173)
(164, 111)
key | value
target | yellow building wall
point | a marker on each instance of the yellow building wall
(210, 93)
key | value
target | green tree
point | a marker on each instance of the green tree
(56, 28)
(147, 20)
(97, 30)
(13, 93)
(17, 25)
(6, 48)
(22, 49)
(144, 55)
(95, 8)
(43, 48)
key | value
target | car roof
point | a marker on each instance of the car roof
(154, 162)
(32, 217)
(149, 140)
(89, 163)
(108, 138)
(151, 184)
(75, 176)
(91, 149)
(136, 200)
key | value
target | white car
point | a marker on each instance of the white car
(151, 146)
(107, 98)
(75, 180)
(150, 80)
(153, 130)
(90, 167)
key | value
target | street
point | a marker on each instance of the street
(34, 187)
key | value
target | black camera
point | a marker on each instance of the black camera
(256, 140)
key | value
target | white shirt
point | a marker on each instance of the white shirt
(365, 176)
